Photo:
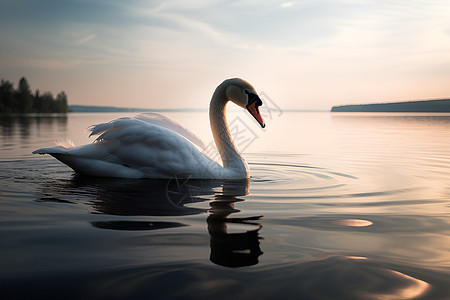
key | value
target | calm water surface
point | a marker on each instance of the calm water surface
(338, 206)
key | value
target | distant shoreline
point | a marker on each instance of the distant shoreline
(112, 109)
(421, 106)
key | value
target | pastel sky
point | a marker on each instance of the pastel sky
(172, 54)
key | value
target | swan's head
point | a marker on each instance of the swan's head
(243, 94)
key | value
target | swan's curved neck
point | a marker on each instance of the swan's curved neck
(222, 137)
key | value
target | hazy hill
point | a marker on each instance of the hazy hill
(442, 105)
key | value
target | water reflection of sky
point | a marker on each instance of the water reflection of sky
(350, 207)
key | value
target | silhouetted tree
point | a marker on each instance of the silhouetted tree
(47, 102)
(61, 102)
(24, 97)
(6, 97)
(23, 101)
(37, 103)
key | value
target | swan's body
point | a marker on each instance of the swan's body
(152, 146)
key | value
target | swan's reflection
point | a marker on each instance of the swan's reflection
(176, 197)
(232, 249)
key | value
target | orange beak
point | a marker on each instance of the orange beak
(253, 109)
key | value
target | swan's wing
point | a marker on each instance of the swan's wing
(131, 147)
(165, 122)
(151, 118)
(152, 149)
(106, 129)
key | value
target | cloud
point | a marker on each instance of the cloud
(195, 26)
(286, 4)
(84, 39)
(319, 42)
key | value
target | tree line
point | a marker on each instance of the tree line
(22, 100)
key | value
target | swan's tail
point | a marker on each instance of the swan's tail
(80, 161)
(63, 155)
(62, 147)
(51, 151)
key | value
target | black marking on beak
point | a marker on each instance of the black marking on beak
(252, 98)
(253, 107)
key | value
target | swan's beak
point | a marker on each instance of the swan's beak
(253, 109)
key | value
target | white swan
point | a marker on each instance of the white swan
(153, 146)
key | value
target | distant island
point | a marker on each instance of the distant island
(435, 106)
(23, 101)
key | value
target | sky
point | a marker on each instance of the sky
(309, 54)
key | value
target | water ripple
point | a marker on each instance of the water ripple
(296, 181)
(299, 181)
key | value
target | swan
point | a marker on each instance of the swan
(153, 146)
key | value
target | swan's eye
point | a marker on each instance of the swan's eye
(253, 98)
(247, 92)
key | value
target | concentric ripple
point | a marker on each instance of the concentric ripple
(296, 179)
(283, 178)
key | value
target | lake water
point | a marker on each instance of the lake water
(338, 206)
